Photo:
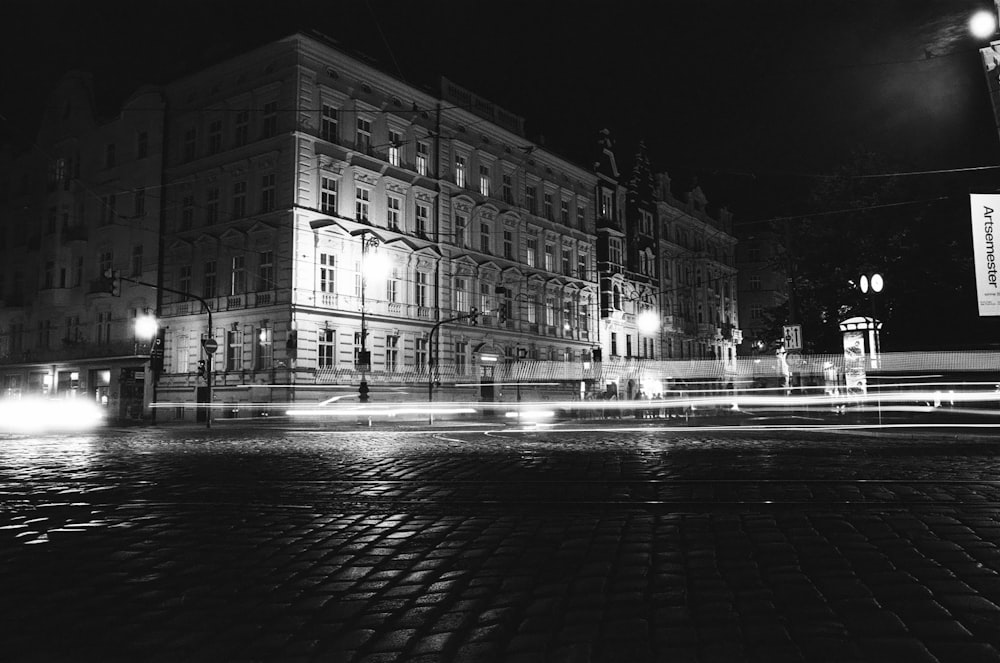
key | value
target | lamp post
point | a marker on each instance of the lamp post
(872, 286)
(364, 356)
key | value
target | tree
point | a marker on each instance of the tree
(901, 227)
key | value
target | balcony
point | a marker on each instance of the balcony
(75, 233)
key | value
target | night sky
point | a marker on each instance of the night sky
(752, 98)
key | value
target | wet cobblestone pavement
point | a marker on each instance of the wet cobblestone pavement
(378, 546)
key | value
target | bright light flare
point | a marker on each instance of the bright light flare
(983, 24)
(146, 326)
(39, 415)
(647, 322)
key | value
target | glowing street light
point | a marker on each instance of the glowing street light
(983, 24)
(146, 326)
(648, 322)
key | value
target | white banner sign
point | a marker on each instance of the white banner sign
(985, 206)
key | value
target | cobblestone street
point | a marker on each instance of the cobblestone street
(380, 545)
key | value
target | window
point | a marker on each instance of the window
(755, 283)
(234, 350)
(628, 345)
(137, 260)
(212, 206)
(420, 345)
(420, 293)
(363, 140)
(508, 244)
(507, 190)
(270, 124)
(238, 282)
(564, 212)
(267, 193)
(327, 272)
(392, 286)
(242, 128)
(110, 155)
(615, 251)
(215, 137)
(606, 205)
(461, 357)
(109, 209)
(460, 171)
(614, 344)
(105, 263)
(531, 251)
(567, 262)
(264, 355)
(190, 144)
(391, 352)
(423, 219)
(756, 312)
(753, 254)
(49, 278)
(265, 270)
(208, 286)
(328, 128)
(361, 204)
(550, 257)
(581, 265)
(484, 237)
(423, 157)
(139, 203)
(184, 279)
(141, 145)
(327, 348)
(484, 180)
(328, 196)
(485, 297)
(462, 302)
(581, 216)
(187, 212)
(359, 279)
(532, 308)
(550, 311)
(395, 143)
(547, 198)
(239, 200)
(392, 205)
(531, 199)
(645, 222)
(104, 328)
(461, 223)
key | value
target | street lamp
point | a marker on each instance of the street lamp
(364, 356)
(983, 24)
(871, 286)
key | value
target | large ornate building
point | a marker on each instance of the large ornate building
(303, 223)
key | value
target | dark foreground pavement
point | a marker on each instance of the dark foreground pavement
(377, 546)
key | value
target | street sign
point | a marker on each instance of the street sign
(793, 337)
(210, 345)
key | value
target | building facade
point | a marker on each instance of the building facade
(301, 223)
(296, 169)
(82, 202)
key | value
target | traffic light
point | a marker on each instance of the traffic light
(111, 283)
(202, 369)
(363, 391)
(474, 316)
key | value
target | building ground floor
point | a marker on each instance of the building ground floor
(121, 385)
